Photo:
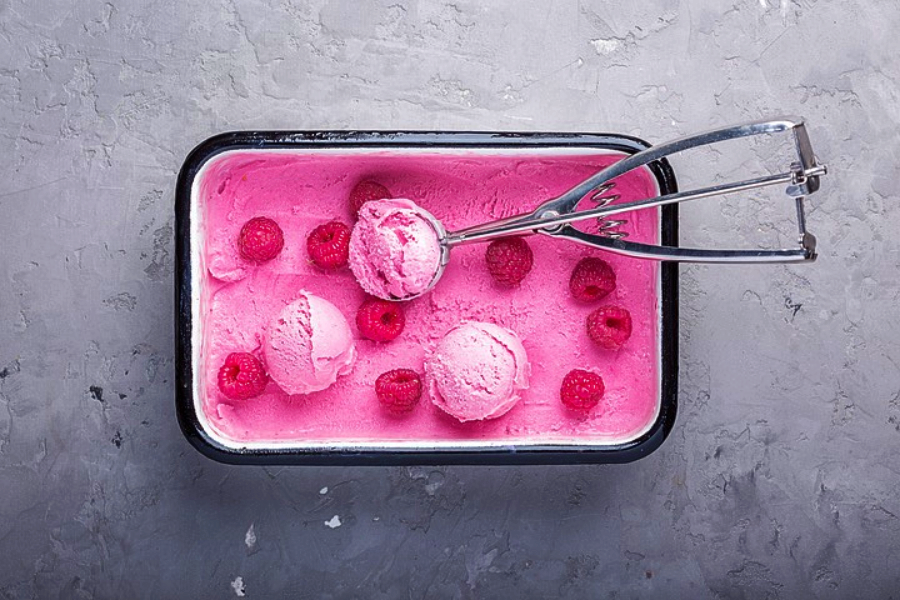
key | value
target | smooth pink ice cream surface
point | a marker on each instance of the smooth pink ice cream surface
(308, 345)
(394, 251)
(303, 190)
(477, 371)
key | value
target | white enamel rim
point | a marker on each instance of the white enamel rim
(199, 275)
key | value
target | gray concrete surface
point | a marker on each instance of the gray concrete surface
(781, 477)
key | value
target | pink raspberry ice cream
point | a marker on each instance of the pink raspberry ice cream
(237, 300)
(395, 252)
(477, 371)
(308, 345)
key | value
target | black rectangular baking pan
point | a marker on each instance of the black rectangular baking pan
(186, 406)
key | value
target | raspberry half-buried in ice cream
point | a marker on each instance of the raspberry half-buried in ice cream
(509, 260)
(379, 320)
(581, 390)
(592, 279)
(260, 239)
(242, 376)
(328, 245)
(366, 191)
(609, 326)
(398, 390)
(395, 250)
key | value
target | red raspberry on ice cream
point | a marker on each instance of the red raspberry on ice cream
(509, 260)
(399, 390)
(609, 326)
(261, 239)
(380, 320)
(365, 191)
(581, 390)
(328, 245)
(592, 279)
(242, 376)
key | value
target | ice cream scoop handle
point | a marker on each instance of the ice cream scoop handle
(530, 223)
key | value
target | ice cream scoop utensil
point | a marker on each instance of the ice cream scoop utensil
(555, 216)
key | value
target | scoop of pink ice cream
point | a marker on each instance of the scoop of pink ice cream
(395, 252)
(308, 345)
(477, 371)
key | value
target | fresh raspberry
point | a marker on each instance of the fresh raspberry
(399, 390)
(365, 191)
(609, 326)
(592, 279)
(261, 239)
(329, 245)
(581, 390)
(380, 320)
(242, 376)
(509, 260)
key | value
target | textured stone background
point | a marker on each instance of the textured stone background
(780, 479)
